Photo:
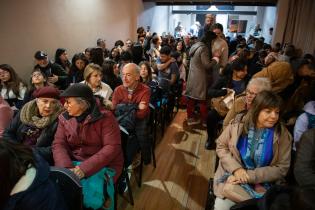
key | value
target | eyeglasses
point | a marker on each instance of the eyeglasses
(4, 73)
(248, 92)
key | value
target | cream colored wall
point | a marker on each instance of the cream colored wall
(280, 23)
(29, 25)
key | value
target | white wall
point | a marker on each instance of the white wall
(267, 20)
(161, 19)
(187, 20)
(157, 17)
(27, 26)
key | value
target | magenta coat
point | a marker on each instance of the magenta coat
(96, 142)
(6, 115)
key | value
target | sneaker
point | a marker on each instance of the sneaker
(192, 121)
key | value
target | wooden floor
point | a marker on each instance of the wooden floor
(180, 179)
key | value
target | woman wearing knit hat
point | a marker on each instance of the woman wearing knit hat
(87, 140)
(93, 78)
(36, 123)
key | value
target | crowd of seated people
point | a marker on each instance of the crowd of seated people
(71, 111)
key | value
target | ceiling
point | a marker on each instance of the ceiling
(216, 2)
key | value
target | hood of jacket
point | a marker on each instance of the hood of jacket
(195, 47)
(309, 107)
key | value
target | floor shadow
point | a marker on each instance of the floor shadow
(187, 153)
(180, 136)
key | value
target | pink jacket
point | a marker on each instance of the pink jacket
(6, 115)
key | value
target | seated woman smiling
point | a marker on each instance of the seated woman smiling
(254, 152)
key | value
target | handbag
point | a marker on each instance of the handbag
(235, 193)
(223, 104)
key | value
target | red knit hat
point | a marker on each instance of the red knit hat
(46, 92)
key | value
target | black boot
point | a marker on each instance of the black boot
(210, 145)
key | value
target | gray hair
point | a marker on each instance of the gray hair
(263, 83)
(86, 105)
(138, 69)
(134, 66)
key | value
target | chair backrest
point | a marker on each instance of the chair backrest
(69, 185)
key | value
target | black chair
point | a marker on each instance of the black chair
(124, 175)
(153, 136)
(69, 185)
(153, 127)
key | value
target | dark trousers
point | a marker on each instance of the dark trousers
(213, 120)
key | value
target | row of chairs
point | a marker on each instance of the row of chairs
(69, 183)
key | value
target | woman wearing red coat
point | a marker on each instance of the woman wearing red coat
(87, 134)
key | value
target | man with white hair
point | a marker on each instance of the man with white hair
(132, 94)
(132, 91)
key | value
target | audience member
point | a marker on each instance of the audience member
(79, 62)
(25, 182)
(304, 170)
(36, 123)
(102, 44)
(304, 122)
(233, 81)
(61, 58)
(38, 80)
(280, 75)
(109, 76)
(6, 115)
(87, 134)
(97, 56)
(244, 102)
(93, 75)
(53, 71)
(254, 152)
(11, 86)
(145, 72)
(132, 92)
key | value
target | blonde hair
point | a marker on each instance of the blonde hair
(89, 69)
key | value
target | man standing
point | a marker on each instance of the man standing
(209, 21)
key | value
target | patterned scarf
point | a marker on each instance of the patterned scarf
(30, 115)
(256, 150)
